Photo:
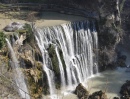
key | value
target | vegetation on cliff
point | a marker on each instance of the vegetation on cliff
(2, 39)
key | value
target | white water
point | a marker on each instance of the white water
(95, 36)
(109, 81)
(18, 76)
(77, 42)
(49, 73)
(61, 69)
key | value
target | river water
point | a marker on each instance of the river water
(109, 81)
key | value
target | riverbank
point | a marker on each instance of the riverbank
(44, 19)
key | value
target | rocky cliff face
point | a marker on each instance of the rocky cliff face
(126, 25)
(29, 59)
(108, 26)
(109, 32)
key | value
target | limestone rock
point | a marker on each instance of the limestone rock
(81, 92)
(13, 27)
(34, 74)
(109, 20)
(21, 39)
(27, 57)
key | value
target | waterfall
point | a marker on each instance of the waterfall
(61, 69)
(77, 41)
(50, 74)
(18, 76)
(95, 38)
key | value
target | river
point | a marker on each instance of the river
(109, 81)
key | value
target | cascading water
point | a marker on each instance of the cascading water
(61, 68)
(19, 76)
(76, 41)
(49, 72)
(96, 48)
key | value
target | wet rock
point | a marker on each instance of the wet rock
(125, 90)
(81, 92)
(116, 98)
(98, 95)
(106, 60)
(13, 27)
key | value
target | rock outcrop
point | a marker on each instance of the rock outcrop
(26, 50)
(81, 92)
(109, 32)
(121, 59)
(21, 39)
(14, 26)
(125, 90)
(98, 95)
(125, 15)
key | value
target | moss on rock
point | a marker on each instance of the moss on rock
(54, 59)
(55, 63)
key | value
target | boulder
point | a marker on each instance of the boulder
(8, 28)
(81, 92)
(14, 26)
(98, 95)
(125, 90)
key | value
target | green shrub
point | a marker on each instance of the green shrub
(2, 39)
(29, 33)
